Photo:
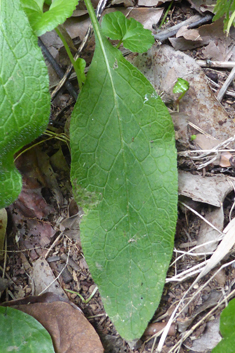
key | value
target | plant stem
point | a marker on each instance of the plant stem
(92, 15)
(85, 301)
(70, 57)
(118, 45)
(166, 13)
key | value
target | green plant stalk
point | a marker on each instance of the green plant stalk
(70, 57)
(166, 13)
(84, 301)
(119, 43)
(93, 18)
(230, 22)
(181, 96)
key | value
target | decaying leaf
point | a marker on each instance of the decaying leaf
(69, 329)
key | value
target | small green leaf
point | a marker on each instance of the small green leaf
(128, 31)
(41, 22)
(24, 94)
(124, 176)
(227, 330)
(80, 67)
(22, 333)
(181, 86)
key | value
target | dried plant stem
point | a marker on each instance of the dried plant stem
(226, 85)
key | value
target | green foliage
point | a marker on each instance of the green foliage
(123, 166)
(129, 32)
(226, 9)
(181, 86)
(227, 330)
(22, 333)
(123, 151)
(24, 94)
(49, 20)
(80, 65)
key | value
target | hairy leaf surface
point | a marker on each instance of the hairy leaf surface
(43, 22)
(124, 176)
(22, 333)
(129, 31)
(24, 94)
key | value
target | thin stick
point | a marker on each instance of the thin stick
(204, 219)
(45, 289)
(226, 85)
(220, 64)
(192, 22)
(57, 69)
(188, 333)
(53, 244)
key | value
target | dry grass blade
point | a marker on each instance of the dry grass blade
(222, 250)
(207, 156)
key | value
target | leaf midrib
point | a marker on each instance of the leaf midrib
(100, 40)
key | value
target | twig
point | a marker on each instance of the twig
(57, 68)
(220, 64)
(226, 85)
(55, 279)
(53, 244)
(192, 22)
(188, 333)
(200, 216)
(228, 93)
(174, 316)
(201, 131)
(212, 153)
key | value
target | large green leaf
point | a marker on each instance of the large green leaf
(24, 94)
(22, 333)
(227, 330)
(124, 175)
(43, 22)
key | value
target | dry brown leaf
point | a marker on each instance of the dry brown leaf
(190, 34)
(69, 329)
(163, 65)
(209, 339)
(126, 3)
(215, 216)
(202, 5)
(150, 3)
(155, 327)
(211, 190)
(44, 279)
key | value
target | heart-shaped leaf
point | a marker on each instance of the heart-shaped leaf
(129, 31)
(24, 94)
(22, 333)
(125, 177)
(43, 22)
